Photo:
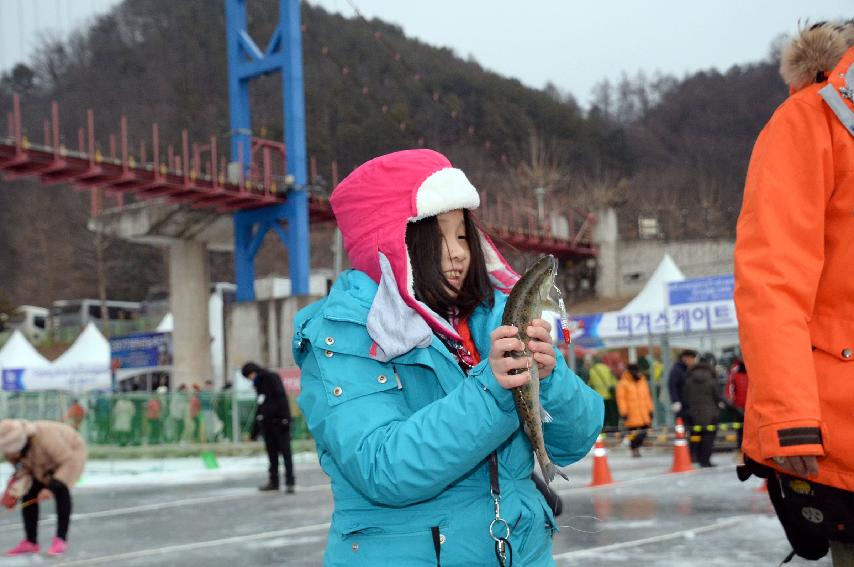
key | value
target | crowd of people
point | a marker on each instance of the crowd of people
(195, 414)
(697, 388)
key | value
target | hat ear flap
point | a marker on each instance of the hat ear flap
(394, 326)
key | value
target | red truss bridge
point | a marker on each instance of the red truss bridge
(196, 176)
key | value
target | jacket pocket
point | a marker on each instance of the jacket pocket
(347, 377)
(536, 541)
(833, 335)
(390, 542)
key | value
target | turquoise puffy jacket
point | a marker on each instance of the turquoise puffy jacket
(405, 442)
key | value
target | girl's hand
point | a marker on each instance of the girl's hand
(541, 346)
(502, 340)
(44, 494)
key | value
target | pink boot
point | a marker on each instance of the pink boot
(57, 547)
(23, 548)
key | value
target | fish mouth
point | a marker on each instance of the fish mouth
(548, 282)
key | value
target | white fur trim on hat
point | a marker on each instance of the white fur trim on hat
(445, 190)
(13, 436)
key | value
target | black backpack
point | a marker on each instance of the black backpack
(812, 514)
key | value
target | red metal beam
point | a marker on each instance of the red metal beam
(182, 179)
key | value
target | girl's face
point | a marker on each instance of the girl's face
(455, 248)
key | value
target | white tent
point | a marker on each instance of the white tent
(166, 325)
(652, 297)
(84, 366)
(650, 316)
(89, 349)
(19, 353)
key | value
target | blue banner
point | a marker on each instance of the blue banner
(141, 350)
(584, 330)
(701, 290)
(13, 379)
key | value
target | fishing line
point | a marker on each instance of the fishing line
(580, 530)
(21, 506)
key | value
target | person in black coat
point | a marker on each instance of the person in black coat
(273, 421)
(676, 381)
(701, 395)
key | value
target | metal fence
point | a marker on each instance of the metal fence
(141, 418)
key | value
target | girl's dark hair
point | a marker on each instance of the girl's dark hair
(424, 244)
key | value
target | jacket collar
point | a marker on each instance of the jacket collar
(350, 300)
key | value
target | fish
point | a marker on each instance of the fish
(527, 299)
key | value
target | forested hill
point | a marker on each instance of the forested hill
(692, 148)
(369, 90)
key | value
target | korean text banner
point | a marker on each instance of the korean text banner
(141, 350)
(77, 379)
(696, 305)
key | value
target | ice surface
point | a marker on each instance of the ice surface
(176, 512)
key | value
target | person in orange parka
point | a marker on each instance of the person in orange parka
(635, 404)
(794, 290)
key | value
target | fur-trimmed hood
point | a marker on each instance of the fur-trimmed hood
(814, 52)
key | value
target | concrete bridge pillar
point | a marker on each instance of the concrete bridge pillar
(606, 237)
(188, 234)
(189, 294)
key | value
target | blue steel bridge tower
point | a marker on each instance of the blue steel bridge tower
(246, 62)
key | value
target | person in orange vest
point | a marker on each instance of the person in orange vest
(635, 405)
(153, 415)
(75, 414)
(794, 295)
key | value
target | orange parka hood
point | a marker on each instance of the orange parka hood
(814, 53)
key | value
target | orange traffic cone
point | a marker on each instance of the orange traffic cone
(762, 487)
(681, 455)
(601, 472)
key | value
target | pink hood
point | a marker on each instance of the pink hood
(373, 207)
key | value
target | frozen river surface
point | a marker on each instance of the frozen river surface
(174, 512)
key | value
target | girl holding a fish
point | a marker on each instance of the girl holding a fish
(408, 389)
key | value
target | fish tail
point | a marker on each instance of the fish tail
(550, 470)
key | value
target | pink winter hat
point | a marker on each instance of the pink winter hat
(379, 198)
(373, 207)
(13, 435)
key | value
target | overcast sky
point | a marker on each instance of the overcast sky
(575, 44)
(571, 43)
(23, 22)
